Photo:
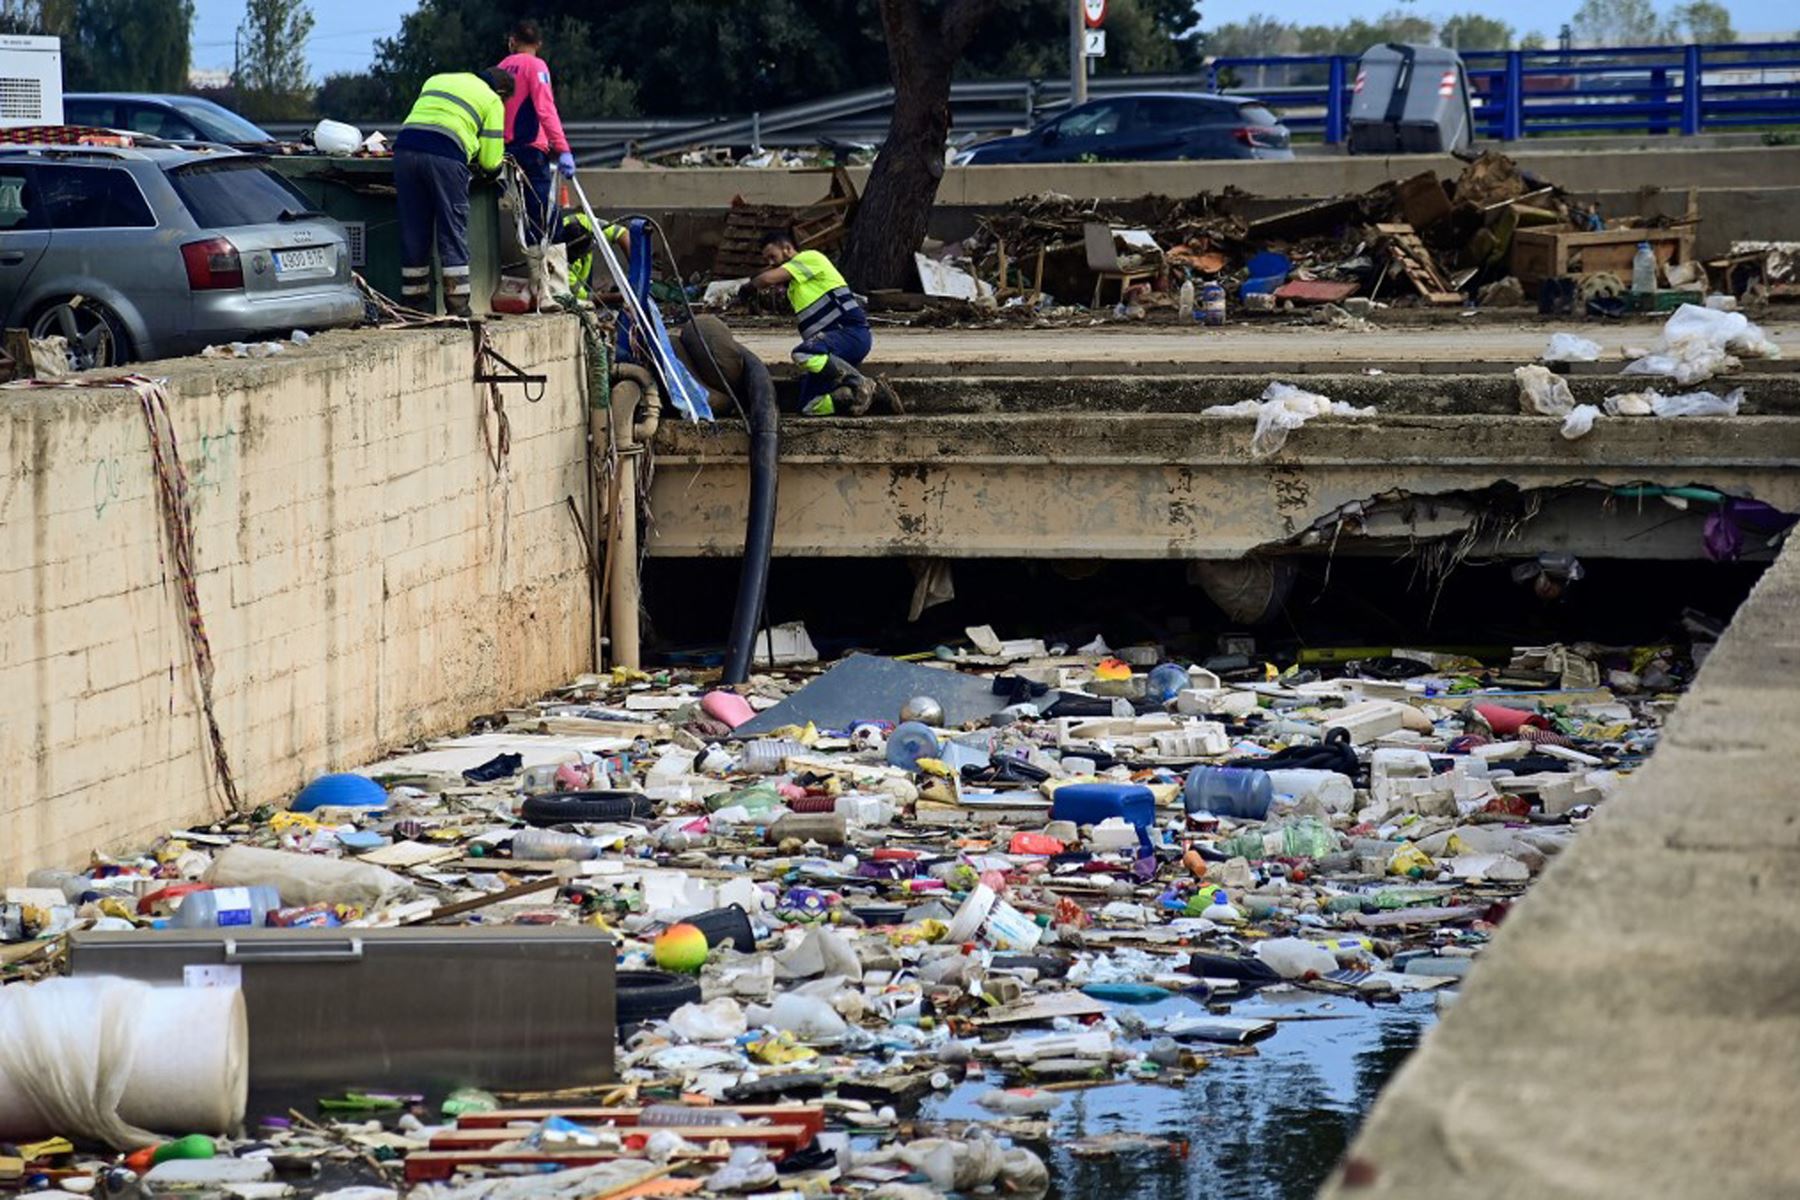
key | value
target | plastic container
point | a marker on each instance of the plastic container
(1295, 958)
(1212, 304)
(1241, 793)
(342, 790)
(767, 756)
(1184, 304)
(1092, 803)
(1329, 788)
(1165, 683)
(910, 742)
(1643, 271)
(728, 708)
(726, 926)
(547, 845)
(538, 780)
(1306, 838)
(220, 908)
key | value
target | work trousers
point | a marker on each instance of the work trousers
(825, 359)
(433, 195)
(540, 190)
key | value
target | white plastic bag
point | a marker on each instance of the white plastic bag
(1698, 343)
(1630, 404)
(715, 1021)
(1696, 404)
(1579, 422)
(1281, 409)
(1542, 391)
(1569, 347)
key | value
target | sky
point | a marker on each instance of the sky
(345, 30)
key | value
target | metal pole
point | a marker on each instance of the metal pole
(1077, 55)
(1334, 102)
(1692, 82)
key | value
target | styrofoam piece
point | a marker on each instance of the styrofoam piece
(1368, 720)
(1200, 739)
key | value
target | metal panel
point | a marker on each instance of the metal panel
(427, 1009)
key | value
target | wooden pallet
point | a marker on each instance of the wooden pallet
(819, 226)
(1415, 262)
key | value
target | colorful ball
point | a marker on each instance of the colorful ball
(680, 948)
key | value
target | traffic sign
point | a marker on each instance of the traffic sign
(1095, 13)
(1095, 43)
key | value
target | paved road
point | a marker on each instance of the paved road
(1233, 344)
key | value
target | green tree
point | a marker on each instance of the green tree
(120, 45)
(1256, 36)
(1472, 31)
(1533, 41)
(1703, 21)
(353, 97)
(271, 77)
(1619, 23)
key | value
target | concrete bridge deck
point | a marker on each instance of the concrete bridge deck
(1091, 444)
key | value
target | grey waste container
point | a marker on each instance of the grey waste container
(1410, 100)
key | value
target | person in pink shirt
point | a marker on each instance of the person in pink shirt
(533, 129)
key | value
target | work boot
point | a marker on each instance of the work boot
(458, 306)
(862, 394)
(820, 406)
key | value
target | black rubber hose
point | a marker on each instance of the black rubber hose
(759, 529)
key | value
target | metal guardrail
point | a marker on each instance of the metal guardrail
(1517, 94)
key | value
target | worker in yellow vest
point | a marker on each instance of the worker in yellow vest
(834, 329)
(458, 119)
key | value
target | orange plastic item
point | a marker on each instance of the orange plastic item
(1195, 863)
(1034, 843)
(1112, 668)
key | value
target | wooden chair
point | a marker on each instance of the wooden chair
(1103, 261)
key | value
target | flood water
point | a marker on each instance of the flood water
(1270, 1126)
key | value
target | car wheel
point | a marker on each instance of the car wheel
(95, 336)
(650, 995)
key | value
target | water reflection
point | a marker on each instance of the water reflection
(1268, 1127)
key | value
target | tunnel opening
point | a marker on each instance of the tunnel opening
(863, 604)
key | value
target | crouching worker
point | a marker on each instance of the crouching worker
(834, 329)
(577, 237)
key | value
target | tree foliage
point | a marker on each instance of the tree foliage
(1471, 31)
(1703, 21)
(705, 57)
(1619, 23)
(271, 79)
(111, 45)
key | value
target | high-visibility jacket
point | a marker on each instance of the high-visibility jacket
(581, 266)
(463, 107)
(819, 294)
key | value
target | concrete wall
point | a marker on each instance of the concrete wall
(367, 578)
(659, 190)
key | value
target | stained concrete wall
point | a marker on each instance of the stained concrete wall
(366, 575)
(1633, 1031)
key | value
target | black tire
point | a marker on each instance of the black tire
(573, 808)
(97, 338)
(650, 995)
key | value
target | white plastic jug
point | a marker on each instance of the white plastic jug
(335, 137)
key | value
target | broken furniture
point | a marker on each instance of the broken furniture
(1540, 254)
(1102, 243)
(1416, 263)
(817, 226)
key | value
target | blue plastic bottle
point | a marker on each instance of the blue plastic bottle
(1241, 793)
(910, 742)
(1165, 683)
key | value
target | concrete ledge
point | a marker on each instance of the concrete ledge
(1634, 1029)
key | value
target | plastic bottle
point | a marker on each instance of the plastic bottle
(219, 908)
(1643, 271)
(910, 742)
(1295, 958)
(689, 1114)
(545, 845)
(1242, 793)
(1184, 305)
(1165, 683)
(1307, 838)
(1212, 304)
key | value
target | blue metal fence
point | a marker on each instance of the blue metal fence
(1535, 93)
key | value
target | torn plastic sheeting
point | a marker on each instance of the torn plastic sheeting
(1570, 347)
(1580, 421)
(1697, 343)
(1281, 409)
(867, 687)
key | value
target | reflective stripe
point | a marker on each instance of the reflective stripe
(415, 272)
(474, 115)
(431, 127)
(828, 310)
(489, 133)
(814, 363)
(456, 289)
(450, 271)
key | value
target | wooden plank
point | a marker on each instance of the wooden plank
(785, 1137)
(810, 1116)
(428, 1166)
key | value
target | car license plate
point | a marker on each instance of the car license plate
(306, 261)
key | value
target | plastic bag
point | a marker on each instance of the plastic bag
(1580, 421)
(1569, 347)
(1698, 343)
(715, 1021)
(1630, 404)
(1696, 404)
(1544, 392)
(1281, 409)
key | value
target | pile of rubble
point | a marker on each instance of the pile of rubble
(1015, 869)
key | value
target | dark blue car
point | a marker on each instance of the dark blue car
(1149, 126)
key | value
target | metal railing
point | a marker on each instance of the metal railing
(1516, 93)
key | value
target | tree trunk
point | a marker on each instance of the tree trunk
(895, 210)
